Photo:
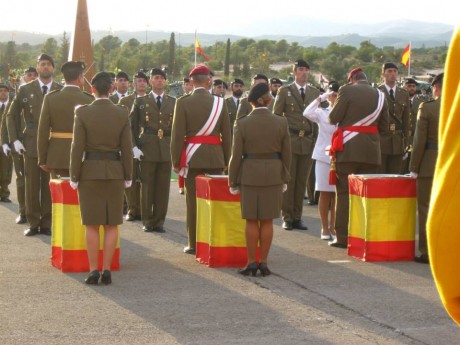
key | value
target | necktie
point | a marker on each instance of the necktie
(237, 103)
(159, 102)
(122, 95)
(392, 95)
(302, 93)
(2, 108)
(45, 89)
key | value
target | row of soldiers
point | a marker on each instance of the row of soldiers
(38, 133)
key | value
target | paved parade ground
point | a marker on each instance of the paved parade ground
(316, 294)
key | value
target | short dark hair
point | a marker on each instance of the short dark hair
(102, 82)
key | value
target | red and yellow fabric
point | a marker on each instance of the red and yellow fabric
(68, 239)
(382, 217)
(405, 58)
(444, 216)
(220, 231)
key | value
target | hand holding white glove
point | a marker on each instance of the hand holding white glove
(6, 149)
(413, 175)
(234, 190)
(284, 187)
(19, 147)
(74, 185)
(137, 153)
(325, 96)
(128, 183)
(406, 155)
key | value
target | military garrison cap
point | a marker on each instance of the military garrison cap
(141, 75)
(72, 64)
(45, 57)
(157, 71)
(388, 65)
(438, 79)
(260, 76)
(258, 91)
(104, 76)
(410, 81)
(301, 63)
(4, 86)
(333, 86)
(122, 74)
(217, 82)
(237, 81)
(276, 81)
(30, 69)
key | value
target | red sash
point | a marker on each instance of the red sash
(198, 139)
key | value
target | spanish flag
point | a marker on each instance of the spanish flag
(220, 230)
(382, 217)
(405, 59)
(443, 218)
(198, 48)
(68, 237)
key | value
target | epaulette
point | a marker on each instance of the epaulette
(87, 93)
(184, 96)
(242, 117)
(80, 106)
(54, 91)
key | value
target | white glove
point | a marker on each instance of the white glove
(234, 190)
(19, 147)
(137, 153)
(284, 187)
(405, 156)
(128, 183)
(325, 96)
(74, 185)
(413, 175)
(6, 149)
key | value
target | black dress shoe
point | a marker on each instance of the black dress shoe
(189, 250)
(312, 202)
(106, 277)
(93, 278)
(5, 199)
(264, 269)
(336, 244)
(299, 225)
(130, 218)
(21, 219)
(158, 229)
(422, 259)
(147, 228)
(45, 231)
(249, 269)
(287, 225)
(31, 232)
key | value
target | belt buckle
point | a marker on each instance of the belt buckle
(160, 133)
(392, 127)
(301, 133)
(147, 118)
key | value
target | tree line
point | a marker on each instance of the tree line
(240, 59)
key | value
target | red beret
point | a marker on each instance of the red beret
(353, 72)
(201, 69)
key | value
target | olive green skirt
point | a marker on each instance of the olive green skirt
(261, 202)
(101, 202)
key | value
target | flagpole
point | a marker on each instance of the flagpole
(195, 47)
(410, 57)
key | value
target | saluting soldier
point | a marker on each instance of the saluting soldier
(27, 104)
(122, 86)
(423, 160)
(56, 121)
(204, 135)
(151, 121)
(100, 169)
(291, 102)
(133, 193)
(245, 107)
(6, 164)
(233, 102)
(394, 143)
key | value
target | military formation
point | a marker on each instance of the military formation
(192, 135)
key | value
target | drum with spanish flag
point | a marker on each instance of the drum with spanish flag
(382, 217)
(68, 239)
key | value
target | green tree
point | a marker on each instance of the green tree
(50, 47)
(172, 56)
(63, 55)
(227, 59)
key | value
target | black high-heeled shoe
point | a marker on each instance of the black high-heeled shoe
(264, 269)
(106, 277)
(93, 277)
(249, 269)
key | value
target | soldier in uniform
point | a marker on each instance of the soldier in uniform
(100, 168)
(233, 102)
(151, 121)
(27, 104)
(186, 86)
(394, 143)
(122, 85)
(358, 102)
(30, 73)
(6, 164)
(245, 107)
(423, 160)
(209, 146)
(56, 121)
(259, 169)
(133, 193)
(275, 84)
(291, 102)
(219, 87)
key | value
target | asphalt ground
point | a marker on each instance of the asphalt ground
(316, 294)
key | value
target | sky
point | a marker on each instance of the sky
(211, 16)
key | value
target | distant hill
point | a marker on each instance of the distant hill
(312, 32)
